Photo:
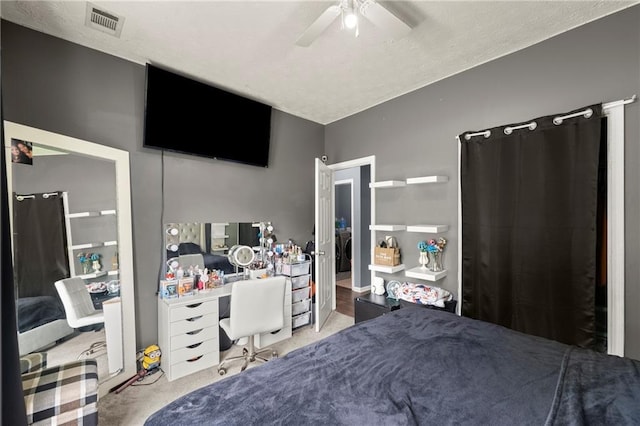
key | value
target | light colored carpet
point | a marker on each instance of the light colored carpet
(137, 402)
(81, 345)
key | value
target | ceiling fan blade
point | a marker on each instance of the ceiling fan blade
(384, 19)
(318, 26)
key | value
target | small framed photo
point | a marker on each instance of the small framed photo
(21, 151)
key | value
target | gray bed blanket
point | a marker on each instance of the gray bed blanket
(413, 366)
(596, 389)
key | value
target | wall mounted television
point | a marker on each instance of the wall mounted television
(191, 117)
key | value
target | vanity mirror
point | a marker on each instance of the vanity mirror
(83, 189)
(211, 240)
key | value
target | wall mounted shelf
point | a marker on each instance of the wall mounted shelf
(93, 245)
(387, 184)
(387, 227)
(427, 179)
(425, 274)
(430, 229)
(93, 275)
(92, 214)
(386, 269)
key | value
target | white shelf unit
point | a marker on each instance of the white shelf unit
(72, 248)
(428, 229)
(388, 228)
(416, 272)
(93, 275)
(427, 179)
(219, 237)
(425, 274)
(387, 269)
(94, 245)
(387, 184)
(91, 214)
(299, 281)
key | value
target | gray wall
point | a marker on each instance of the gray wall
(61, 87)
(414, 135)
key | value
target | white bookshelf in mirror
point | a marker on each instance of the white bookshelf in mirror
(219, 236)
(73, 249)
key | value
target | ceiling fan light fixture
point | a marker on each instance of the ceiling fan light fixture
(351, 20)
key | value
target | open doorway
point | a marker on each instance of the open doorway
(352, 201)
(344, 207)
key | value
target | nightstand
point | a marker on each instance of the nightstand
(371, 305)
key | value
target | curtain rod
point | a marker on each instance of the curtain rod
(558, 120)
(620, 102)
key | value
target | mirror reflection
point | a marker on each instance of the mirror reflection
(210, 240)
(70, 221)
(64, 227)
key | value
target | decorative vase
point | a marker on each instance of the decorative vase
(435, 261)
(86, 268)
(423, 259)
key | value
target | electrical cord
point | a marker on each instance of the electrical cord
(95, 347)
(162, 252)
(139, 383)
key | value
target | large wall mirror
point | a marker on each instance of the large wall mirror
(70, 208)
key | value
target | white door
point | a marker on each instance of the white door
(325, 270)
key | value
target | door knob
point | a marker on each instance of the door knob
(317, 253)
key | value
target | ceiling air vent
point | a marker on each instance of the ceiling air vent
(104, 21)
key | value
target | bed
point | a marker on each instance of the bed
(421, 366)
(41, 322)
(211, 261)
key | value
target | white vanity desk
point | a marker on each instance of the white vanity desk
(188, 331)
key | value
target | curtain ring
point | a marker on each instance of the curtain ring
(508, 130)
(533, 125)
(486, 134)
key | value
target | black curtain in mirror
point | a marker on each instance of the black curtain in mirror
(40, 244)
(529, 226)
(248, 235)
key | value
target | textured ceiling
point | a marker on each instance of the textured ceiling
(249, 47)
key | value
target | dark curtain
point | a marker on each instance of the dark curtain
(13, 408)
(40, 244)
(529, 226)
(248, 235)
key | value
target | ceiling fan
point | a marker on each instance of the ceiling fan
(349, 10)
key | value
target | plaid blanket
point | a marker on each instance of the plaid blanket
(33, 362)
(64, 394)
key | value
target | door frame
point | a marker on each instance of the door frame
(359, 162)
(353, 229)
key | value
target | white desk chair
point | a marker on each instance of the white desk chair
(77, 303)
(257, 306)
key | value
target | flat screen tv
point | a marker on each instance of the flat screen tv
(188, 116)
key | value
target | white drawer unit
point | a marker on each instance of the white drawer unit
(188, 334)
(299, 281)
(265, 339)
